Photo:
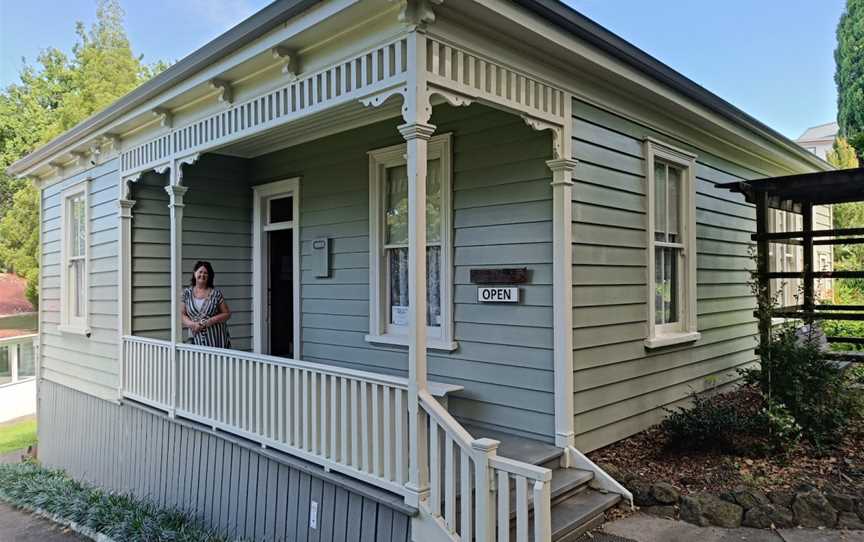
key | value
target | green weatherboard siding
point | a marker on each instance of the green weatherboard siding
(619, 386)
(501, 216)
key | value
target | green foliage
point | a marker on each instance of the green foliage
(51, 98)
(849, 74)
(793, 372)
(840, 328)
(19, 240)
(780, 424)
(842, 154)
(121, 517)
(710, 424)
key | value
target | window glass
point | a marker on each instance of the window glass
(673, 204)
(665, 285)
(281, 209)
(26, 361)
(660, 202)
(5, 369)
(77, 226)
(396, 243)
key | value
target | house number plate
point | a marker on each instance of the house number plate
(498, 295)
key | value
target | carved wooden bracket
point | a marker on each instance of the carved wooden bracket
(290, 60)
(166, 119)
(557, 134)
(58, 168)
(226, 91)
(114, 140)
(80, 158)
(417, 13)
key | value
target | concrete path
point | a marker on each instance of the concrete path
(19, 526)
(645, 528)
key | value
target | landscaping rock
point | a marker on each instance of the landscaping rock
(746, 498)
(705, 510)
(766, 516)
(614, 472)
(848, 520)
(861, 509)
(842, 502)
(642, 493)
(660, 511)
(812, 509)
(781, 498)
(665, 493)
(691, 511)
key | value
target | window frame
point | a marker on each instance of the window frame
(68, 322)
(380, 330)
(685, 328)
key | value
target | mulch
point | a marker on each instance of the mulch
(645, 456)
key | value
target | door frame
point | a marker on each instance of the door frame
(260, 260)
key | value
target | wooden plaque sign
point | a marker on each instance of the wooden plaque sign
(517, 275)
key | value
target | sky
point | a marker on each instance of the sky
(771, 58)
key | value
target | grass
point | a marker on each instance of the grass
(19, 321)
(121, 517)
(17, 435)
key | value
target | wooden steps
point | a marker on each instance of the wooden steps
(576, 507)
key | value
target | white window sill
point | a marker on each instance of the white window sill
(74, 330)
(669, 339)
(402, 340)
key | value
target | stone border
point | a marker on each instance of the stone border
(805, 507)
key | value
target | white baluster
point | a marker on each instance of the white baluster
(467, 523)
(521, 509)
(542, 519)
(503, 507)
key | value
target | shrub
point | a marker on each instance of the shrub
(710, 424)
(121, 517)
(840, 328)
(794, 373)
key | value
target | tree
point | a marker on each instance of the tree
(51, 98)
(19, 231)
(842, 155)
(849, 74)
(847, 215)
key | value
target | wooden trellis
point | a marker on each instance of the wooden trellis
(799, 194)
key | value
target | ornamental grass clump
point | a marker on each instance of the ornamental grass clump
(120, 517)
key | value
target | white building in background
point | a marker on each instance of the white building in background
(819, 139)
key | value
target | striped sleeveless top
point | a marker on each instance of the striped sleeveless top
(217, 335)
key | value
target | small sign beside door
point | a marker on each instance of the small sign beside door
(497, 294)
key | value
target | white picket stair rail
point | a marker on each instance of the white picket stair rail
(470, 485)
(349, 421)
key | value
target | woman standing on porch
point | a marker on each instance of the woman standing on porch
(205, 312)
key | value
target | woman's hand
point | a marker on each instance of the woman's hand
(196, 328)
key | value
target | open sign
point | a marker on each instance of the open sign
(498, 295)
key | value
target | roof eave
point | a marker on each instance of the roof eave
(584, 28)
(243, 33)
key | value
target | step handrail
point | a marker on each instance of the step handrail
(484, 497)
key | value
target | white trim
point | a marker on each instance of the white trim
(438, 337)
(262, 194)
(685, 328)
(69, 324)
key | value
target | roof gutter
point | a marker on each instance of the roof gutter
(584, 28)
(246, 32)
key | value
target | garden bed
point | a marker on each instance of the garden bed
(92, 511)
(776, 477)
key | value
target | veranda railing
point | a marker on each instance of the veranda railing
(350, 421)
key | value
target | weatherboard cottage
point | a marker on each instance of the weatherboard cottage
(463, 242)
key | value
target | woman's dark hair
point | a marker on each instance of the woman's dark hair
(210, 273)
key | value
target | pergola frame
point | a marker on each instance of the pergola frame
(799, 194)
